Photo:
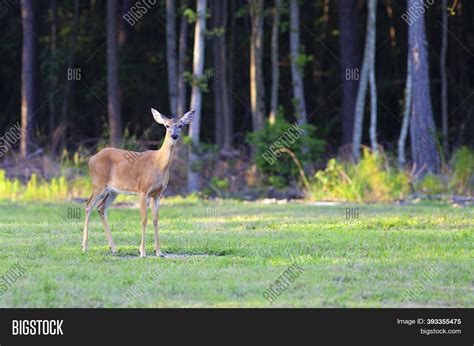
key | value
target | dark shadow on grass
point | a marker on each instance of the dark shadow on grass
(168, 255)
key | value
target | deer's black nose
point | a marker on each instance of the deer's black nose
(174, 137)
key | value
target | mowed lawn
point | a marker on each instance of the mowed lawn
(369, 261)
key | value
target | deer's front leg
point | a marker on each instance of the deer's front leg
(155, 205)
(143, 223)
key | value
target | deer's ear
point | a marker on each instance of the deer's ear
(188, 117)
(160, 119)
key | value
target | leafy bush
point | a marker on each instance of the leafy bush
(276, 165)
(462, 180)
(431, 184)
(9, 189)
(218, 187)
(76, 162)
(58, 189)
(370, 180)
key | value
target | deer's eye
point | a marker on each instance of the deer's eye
(180, 126)
(167, 126)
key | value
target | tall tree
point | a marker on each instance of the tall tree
(68, 88)
(113, 101)
(350, 63)
(406, 115)
(373, 106)
(183, 38)
(422, 128)
(53, 77)
(230, 59)
(367, 66)
(296, 71)
(275, 60)
(29, 73)
(444, 82)
(125, 28)
(196, 93)
(171, 54)
(223, 123)
(257, 87)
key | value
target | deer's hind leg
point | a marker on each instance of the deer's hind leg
(104, 204)
(91, 202)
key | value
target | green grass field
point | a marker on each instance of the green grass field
(370, 261)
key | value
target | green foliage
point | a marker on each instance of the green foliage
(269, 141)
(201, 82)
(221, 184)
(206, 154)
(80, 187)
(190, 14)
(460, 180)
(276, 181)
(58, 189)
(302, 59)
(242, 11)
(217, 187)
(215, 32)
(431, 184)
(130, 141)
(77, 161)
(370, 180)
(463, 171)
(9, 189)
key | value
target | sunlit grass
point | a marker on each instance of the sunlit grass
(363, 262)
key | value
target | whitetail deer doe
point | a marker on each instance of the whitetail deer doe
(113, 172)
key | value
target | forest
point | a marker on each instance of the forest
(285, 153)
(347, 100)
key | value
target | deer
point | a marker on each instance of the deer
(115, 171)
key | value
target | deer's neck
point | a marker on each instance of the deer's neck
(165, 154)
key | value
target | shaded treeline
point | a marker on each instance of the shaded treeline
(92, 70)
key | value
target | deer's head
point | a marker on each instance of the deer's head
(173, 125)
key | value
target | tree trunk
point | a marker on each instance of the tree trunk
(422, 127)
(52, 67)
(406, 115)
(373, 107)
(444, 82)
(196, 93)
(296, 71)
(275, 60)
(218, 92)
(171, 56)
(257, 88)
(29, 72)
(350, 63)
(113, 102)
(70, 67)
(125, 28)
(369, 53)
(230, 68)
(223, 123)
(183, 38)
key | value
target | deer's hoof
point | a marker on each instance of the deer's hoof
(142, 255)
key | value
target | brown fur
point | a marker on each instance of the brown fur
(115, 171)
